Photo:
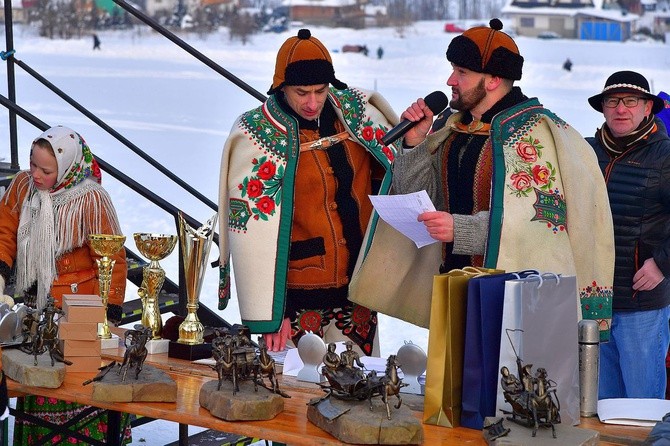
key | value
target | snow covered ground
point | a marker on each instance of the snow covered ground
(180, 111)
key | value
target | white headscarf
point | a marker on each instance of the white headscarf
(56, 221)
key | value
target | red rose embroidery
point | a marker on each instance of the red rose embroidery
(368, 133)
(254, 188)
(379, 134)
(540, 174)
(267, 170)
(310, 321)
(521, 180)
(266, 205)
(360, 315)
(389, 153)
(526, 151)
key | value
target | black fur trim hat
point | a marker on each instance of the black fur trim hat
(303, 60)
(626, 82)
(487, 50)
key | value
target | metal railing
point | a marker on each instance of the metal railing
(14, 110)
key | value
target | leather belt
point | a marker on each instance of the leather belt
(325, 142)
(474, 128)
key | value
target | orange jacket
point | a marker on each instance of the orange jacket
(315, 217)
(77, 269)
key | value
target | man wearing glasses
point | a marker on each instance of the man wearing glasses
(633, 151)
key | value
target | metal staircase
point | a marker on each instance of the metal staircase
(172, 298)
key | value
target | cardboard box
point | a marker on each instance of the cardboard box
(83, 308)
(81, 331)
(84, 364)
(80, 348)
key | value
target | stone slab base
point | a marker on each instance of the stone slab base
(246, 405)
(152, 385)
(21, 367)
(355, 423)
(112, 342)
(156, 346)
(566, 435)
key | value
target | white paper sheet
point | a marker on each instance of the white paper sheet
(633, 411)
(401, 212)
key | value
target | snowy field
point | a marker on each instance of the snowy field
(179, 111)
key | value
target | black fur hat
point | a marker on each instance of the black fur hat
(487, 50)
(304, 60)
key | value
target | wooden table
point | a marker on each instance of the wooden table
(290, 427)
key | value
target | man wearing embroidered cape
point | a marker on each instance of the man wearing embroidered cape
(515, 188)
(296, 173)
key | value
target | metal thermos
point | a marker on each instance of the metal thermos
(589, 344)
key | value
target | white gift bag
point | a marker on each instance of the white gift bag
(543, 312)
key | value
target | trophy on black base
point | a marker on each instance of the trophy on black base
(195, 245)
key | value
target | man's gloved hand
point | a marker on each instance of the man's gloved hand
(3, 297)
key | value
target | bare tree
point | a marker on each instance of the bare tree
(400, 15)
(242, 28)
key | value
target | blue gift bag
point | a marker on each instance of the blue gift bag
(486, 295)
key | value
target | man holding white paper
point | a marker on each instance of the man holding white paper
(515, 186)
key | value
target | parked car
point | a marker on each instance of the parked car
(549, 35)
(452, 28)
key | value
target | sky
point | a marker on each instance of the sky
(180, 112)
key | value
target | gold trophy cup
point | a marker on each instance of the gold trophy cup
(195, 245)
(105, 245)
(155, 247)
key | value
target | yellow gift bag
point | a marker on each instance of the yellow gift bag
(444, 370)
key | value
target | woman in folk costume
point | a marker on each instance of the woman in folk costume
(46, 216)
(296, 173)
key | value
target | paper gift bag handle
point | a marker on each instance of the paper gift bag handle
(472, 271)
(541, 277)
(526, 273)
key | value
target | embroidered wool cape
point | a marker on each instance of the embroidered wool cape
(548, 211)
(255, 223)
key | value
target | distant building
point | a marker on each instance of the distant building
(572, 19)
(19, 10)
(609, 25)
(346, 13)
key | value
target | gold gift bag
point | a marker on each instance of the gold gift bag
(444, 369)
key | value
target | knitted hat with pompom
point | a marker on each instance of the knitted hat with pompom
(303, 60)
(487, 50)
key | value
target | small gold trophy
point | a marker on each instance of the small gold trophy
(195, 245)
(105, 245)
(155, 247)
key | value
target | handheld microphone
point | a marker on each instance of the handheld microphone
(436, 102)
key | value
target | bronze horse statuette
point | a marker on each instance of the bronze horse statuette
(45, 335)
(136, 350)
(348, 382)
(237, 359)
(532, 397)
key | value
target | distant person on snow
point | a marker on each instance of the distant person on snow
(96, 42)
(567, 65)
(296, 173)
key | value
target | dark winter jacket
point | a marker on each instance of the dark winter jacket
(638, 184)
